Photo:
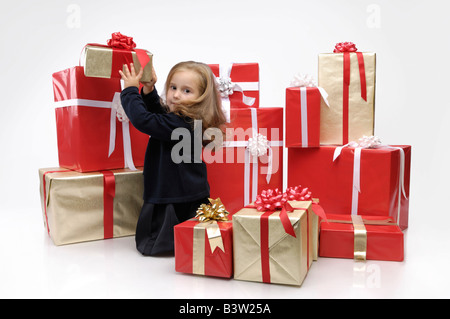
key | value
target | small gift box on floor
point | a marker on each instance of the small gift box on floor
(348, 77)
(364, 178)
(93, 132)
(361, 238)
(80, 207)
(251, 158)
(271, 240)
(105, 61)
(203, 245)
(303, 112)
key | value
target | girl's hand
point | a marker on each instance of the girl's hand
(149, 86)
(130, 78)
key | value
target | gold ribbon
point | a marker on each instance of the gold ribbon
(360, 233)
(208, 215)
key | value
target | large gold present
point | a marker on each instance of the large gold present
(349, 80)
(80, 207)
(265, 251)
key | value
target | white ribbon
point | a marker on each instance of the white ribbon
(113, 105)
(227, 88)
(253, 159)
(305, 81)
(304, 116)
(372, 142)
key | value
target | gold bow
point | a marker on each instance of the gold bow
(213, 211)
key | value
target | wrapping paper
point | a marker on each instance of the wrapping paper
(105, 62)
(380, 183)
(383, 241)
(83, 124)
(234, 174)
(339, 125)
(302, 117)
(80, 207)
(279, 258)
(193, 252)
(246, 75)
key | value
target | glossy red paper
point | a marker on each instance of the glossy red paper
(332, 182)
(383, 242)
(83, 132)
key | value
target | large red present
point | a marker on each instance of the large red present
(238, 84)
(251, 159)
(364, 181)
(361, 238)
(204, 246)
(90, 135)
(302, 117)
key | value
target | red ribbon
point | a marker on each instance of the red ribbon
(109, 192)
(346, 48)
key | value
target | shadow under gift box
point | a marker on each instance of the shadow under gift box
(80, 207)
(332, 181)
(238, 177)
(83, 123)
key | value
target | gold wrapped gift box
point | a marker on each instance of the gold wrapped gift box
(98, 62)
(288, 257)
(74, 208)
(361, 113)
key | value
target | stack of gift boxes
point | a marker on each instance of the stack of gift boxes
(96, 192)
(347, 194)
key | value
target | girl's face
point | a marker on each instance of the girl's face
(183, 87)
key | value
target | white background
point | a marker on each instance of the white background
(284, 37)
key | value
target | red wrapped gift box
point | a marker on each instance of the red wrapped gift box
(384, 240)
(332, 181)
(234, 174)
(83, 123)
(302, 117)
(193, 253)
(245, 75)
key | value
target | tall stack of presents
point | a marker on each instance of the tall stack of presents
(347, 193)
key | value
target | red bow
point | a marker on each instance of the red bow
(345, 47)
(120, 41)
(298, 193)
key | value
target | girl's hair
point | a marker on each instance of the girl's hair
(208, 106)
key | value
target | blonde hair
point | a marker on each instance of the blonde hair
(208, 106)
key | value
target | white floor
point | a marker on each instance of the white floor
(33, 267)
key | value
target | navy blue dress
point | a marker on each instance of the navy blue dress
(173, 187)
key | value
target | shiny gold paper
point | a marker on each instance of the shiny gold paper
(98, 63)
(74, 203)
(361, 113)
(360, 240)
(288, 255)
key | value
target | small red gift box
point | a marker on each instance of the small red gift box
(380, 186)
(245, 79)
(239, 171)
(303, 117)
(193, 253)
(90, 136)
(371, 238)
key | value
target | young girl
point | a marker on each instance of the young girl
(173, 190)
